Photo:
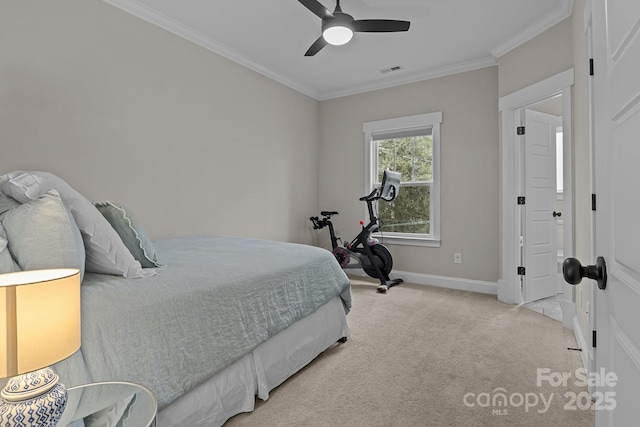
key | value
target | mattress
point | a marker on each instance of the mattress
(216, 301)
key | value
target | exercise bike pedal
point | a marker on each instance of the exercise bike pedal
(384, 287)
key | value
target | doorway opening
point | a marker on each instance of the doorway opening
(513, 107)
(542, 177)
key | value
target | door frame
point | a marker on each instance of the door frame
(589, 352)
(509, 284)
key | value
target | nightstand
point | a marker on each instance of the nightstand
(110, 404)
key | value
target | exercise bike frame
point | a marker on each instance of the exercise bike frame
(362, 248)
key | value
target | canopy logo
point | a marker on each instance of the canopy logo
(500, 401)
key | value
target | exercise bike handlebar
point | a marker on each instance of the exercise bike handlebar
(374, 195)
(317, 223)
(391, 196)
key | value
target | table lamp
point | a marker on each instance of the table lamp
(39, 326)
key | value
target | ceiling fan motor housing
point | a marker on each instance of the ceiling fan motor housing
(339, 19)
(337, 30)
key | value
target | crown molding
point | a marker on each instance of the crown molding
(141, 11)
(560, 14)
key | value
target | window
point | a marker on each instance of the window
(411, 146)
(559, 161)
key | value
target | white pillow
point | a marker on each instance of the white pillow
(105, 252)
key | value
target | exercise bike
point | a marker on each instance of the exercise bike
(364, 251)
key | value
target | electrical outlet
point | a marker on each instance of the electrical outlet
(457, 258)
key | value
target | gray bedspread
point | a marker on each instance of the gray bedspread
(217, 299)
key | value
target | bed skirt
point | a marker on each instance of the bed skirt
(234, 389)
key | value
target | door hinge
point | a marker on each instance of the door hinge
(521, 271)
(520, 130)
(593, 339)
(521, 200)
(591, 66)
(593, 202)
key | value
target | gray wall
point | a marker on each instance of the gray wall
(124, 111)
(545, 55)
(469, 168)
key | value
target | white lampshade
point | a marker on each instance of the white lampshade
(337, 35)
(39, 319)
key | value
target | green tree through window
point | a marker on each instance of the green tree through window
(412, 156)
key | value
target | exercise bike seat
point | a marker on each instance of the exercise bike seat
(328, 213)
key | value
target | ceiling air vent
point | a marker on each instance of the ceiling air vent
(391, 69)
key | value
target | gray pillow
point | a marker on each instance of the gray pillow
(7, 264)
(6, 203)
(41, 235)
(105, 252)
(131, 232)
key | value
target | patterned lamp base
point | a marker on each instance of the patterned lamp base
(34, 399)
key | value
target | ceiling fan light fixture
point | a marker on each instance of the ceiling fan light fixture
(338, 34)
(338, 27)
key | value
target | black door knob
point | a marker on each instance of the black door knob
(555, 214)
(573, 271)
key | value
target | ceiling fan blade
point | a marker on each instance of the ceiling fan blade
(380, 25)
(316, 46)
(315, 7)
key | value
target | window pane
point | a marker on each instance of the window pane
(559, 161)
(411, 156)
(408, 213)
(386, 157)
(423, 159)
(404, 158)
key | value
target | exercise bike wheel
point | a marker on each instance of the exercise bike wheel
(342, 256)
(382, 258)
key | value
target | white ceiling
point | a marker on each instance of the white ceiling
(271, 37)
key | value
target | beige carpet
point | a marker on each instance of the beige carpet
(427, 356)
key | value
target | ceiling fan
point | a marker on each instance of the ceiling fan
(338, 27)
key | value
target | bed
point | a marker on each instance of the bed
(206, 322)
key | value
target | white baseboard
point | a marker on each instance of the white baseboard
(440, 281)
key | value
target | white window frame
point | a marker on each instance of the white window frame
(407, 123)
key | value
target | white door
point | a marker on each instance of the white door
(540, 225)
(616, 36)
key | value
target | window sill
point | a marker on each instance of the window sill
(408, 241)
